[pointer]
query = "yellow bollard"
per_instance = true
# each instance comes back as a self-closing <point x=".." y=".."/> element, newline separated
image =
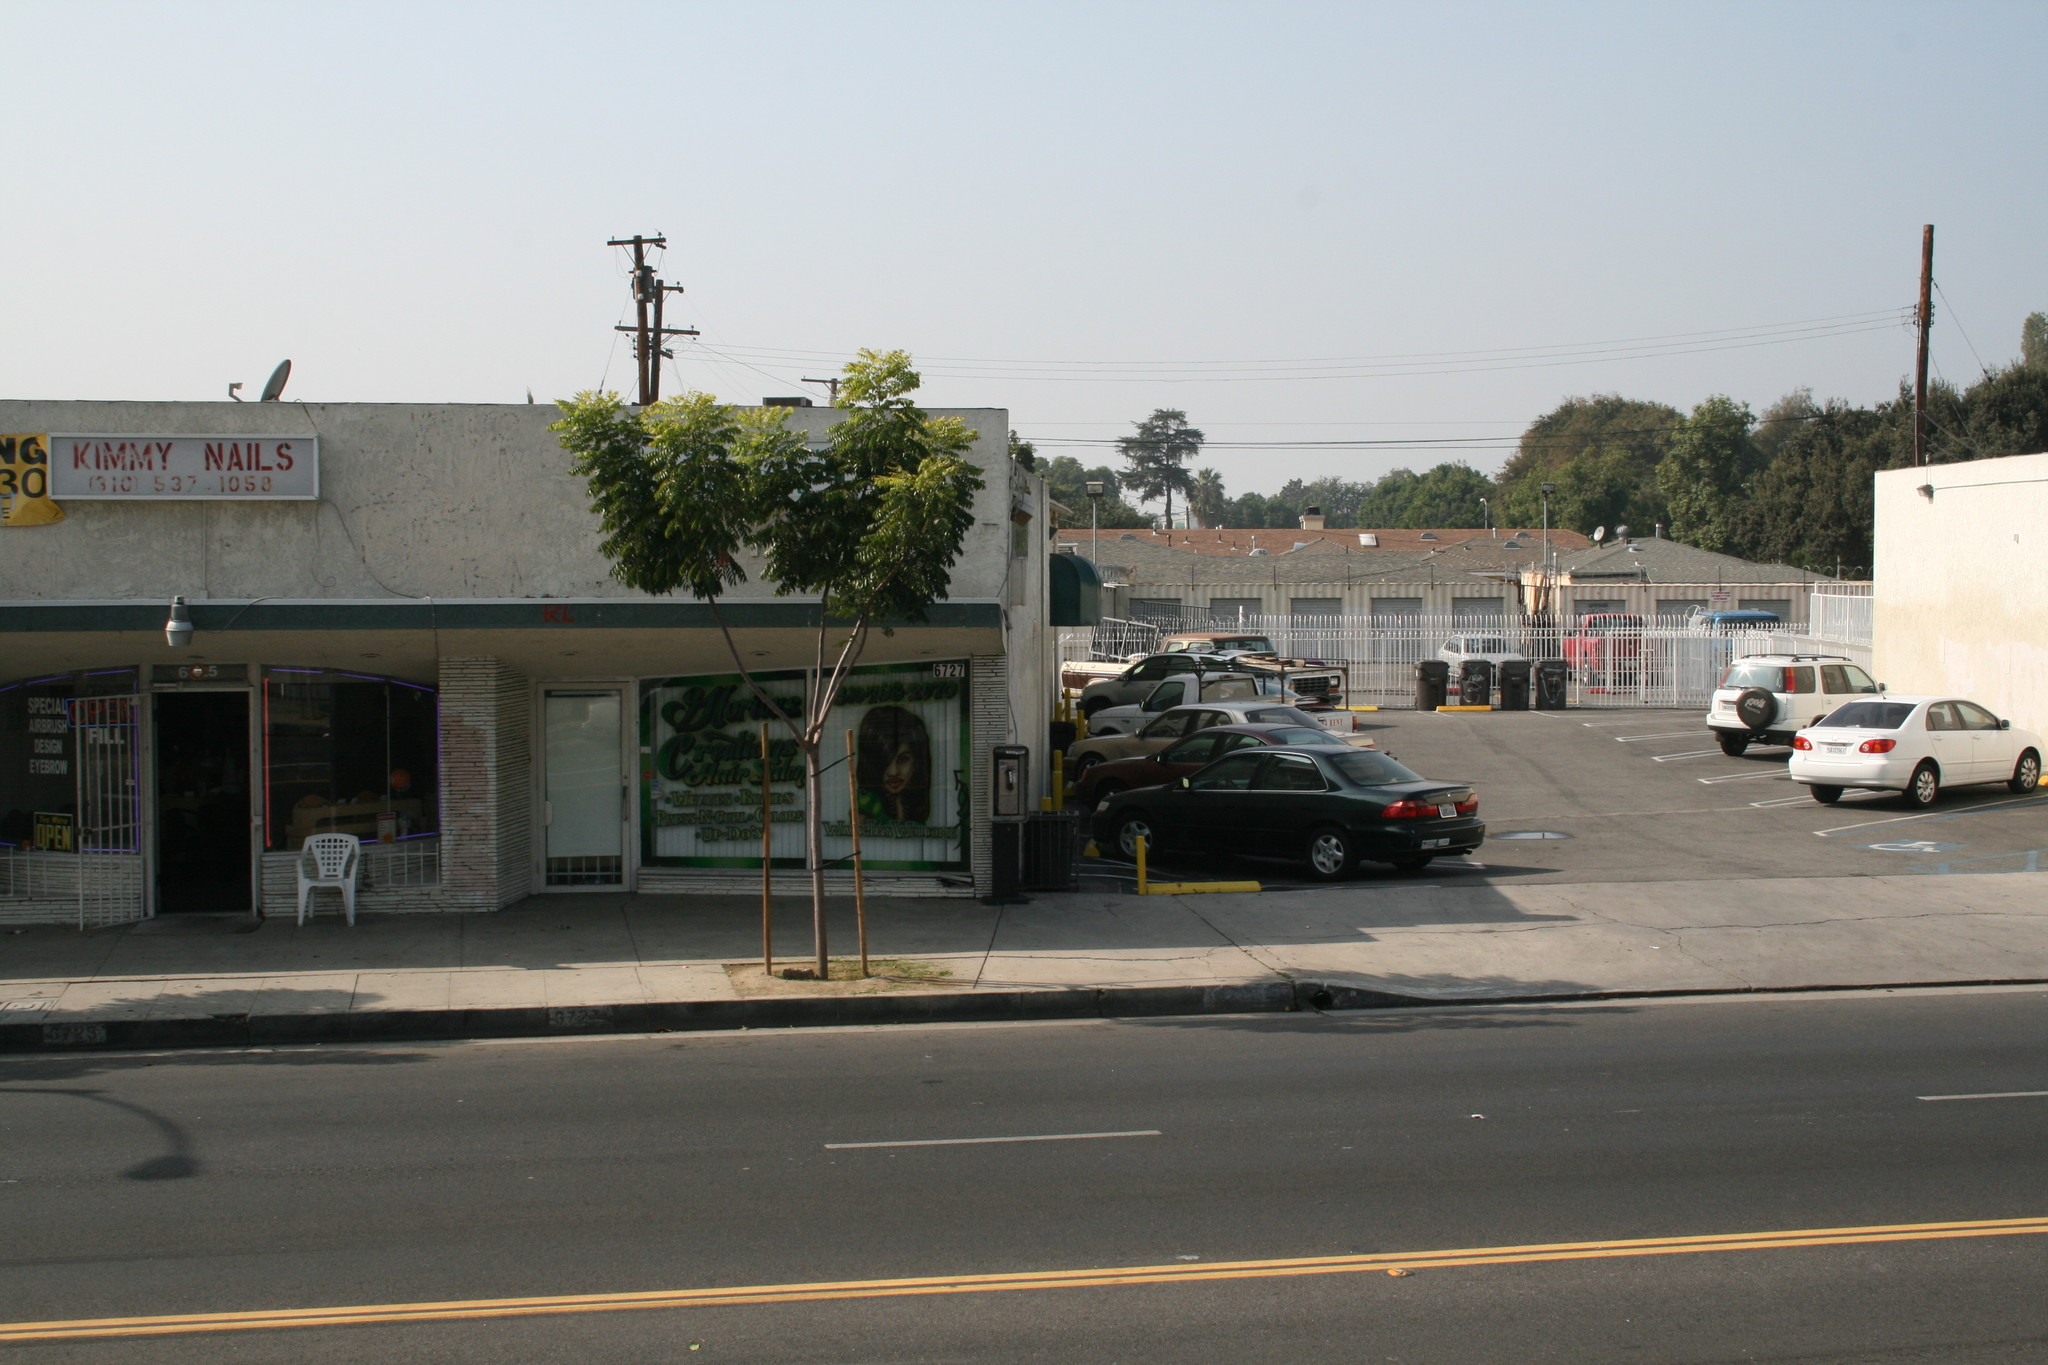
<point x="1059" y="780"/>
<point x="1141" y="864"/>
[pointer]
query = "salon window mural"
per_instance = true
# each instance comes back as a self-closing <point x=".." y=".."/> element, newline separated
<point x="701" y="800"/>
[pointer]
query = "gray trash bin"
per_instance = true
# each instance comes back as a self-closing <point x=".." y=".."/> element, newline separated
<point x="1512" y="681"/>
<point x="1475" y="683"/>
<point x="1432" y="684"/>
<point x="1551" y="678"/>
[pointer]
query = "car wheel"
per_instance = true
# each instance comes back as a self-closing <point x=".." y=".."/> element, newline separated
<point x="1133" y="827"/>
<point x="1415" y="864"/>
<point x="1083" y="764"/>
<point x="1924" y="787"/>
<point x="2026" y="774"/>
<point x="1329" y="854"/>
<point x="1827" y="796"/>
<point x="1735" y="746"/>
<point x="1756" y="708"/>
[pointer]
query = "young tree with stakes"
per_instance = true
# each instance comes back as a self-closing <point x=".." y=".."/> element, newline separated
<point x="871" y="523"/>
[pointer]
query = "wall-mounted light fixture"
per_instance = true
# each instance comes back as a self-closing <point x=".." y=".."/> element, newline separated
<point x="1926" y="490"/>
<point x="178" y="630"/>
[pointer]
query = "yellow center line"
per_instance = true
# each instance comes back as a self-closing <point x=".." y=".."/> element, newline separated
<point x="460" y="1309"/>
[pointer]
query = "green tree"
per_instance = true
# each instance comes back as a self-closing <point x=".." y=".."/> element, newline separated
<point x="1616" y="445"/>
<point x="1069" y="481"/>
<point x="1205" y="498"/>
<point x="1781" y="421"/>
<point x="1158" y="456"/>
<point x="1446" y="496"/>
<point x="1707" y="473"/>
<point x="870" y="523"/>
<point x="1812" y="507"/>
<point x="2034" y="341"/>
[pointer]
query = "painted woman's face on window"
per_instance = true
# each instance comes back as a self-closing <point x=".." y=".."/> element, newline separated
<point x="901" y="770"/>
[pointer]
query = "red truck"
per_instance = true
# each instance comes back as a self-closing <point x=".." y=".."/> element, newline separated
<point x="1606" y="647"/>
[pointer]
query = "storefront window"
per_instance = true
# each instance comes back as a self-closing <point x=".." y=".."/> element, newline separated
<point x="38" y="754"/>
<point x="347" y="753"/>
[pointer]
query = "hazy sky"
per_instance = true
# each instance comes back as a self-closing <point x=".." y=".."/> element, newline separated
<point x="411" y="202"/>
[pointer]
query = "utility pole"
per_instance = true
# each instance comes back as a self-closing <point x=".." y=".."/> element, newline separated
<point x="1926" y="321"/>
<point x="832" y="384"/>
<point x="649" y="336"/>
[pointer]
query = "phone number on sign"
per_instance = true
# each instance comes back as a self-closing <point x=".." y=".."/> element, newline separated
<point x="178" y="483"/>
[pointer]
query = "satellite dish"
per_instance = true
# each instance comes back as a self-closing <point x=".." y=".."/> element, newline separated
<point x="1599" y="532"/>
<point x="273" y="387"/>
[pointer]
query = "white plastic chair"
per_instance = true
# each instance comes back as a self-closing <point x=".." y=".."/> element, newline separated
<point x="333" y="858"/>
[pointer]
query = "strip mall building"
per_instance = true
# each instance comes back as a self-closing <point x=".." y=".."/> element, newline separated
<point x="402" y="629"/>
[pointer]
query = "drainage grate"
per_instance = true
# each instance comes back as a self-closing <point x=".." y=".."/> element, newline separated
<point x="585" y="871"/>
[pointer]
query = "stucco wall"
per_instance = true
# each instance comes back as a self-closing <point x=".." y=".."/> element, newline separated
<point x="416" y="500"/>
<point x="1961" y="597"/>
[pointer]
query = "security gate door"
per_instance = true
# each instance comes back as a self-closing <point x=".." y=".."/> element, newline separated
<point x="583" y="812"/>
<point x="108" y="831"/>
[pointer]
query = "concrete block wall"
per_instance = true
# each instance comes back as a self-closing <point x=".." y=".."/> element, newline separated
<point x="486" y="784"/>
<point x="989" y="726"/>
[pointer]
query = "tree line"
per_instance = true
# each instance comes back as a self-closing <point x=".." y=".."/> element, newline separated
<point x="1789" y="485"/>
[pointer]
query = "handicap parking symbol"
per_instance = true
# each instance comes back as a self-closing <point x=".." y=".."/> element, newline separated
<point x="1913" y="846"/>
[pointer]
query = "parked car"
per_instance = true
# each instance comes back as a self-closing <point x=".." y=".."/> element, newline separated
<point x="1728" y="622"/>
<point x="1169" y="726"/>
<point x="1325" y="806"/>
<point x="1491" y="648"/>
<point x="1140" y="676"/>
<point x="1322" y="684"/>
<point x="1185" y="756"/>
<point x="1217" y="642"/>
<point x="1913" y="745"/>
<point x="1769" y="698"/>
<point x="1606" y="646"/>
<point x="1124" y="720"/>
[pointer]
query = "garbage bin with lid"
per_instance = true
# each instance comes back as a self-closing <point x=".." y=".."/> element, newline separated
<point x="1512" y="680"/>
<point x="1551" y="676"/>
<point x="1432" y="684"/>
<point x="1475" y="682"/>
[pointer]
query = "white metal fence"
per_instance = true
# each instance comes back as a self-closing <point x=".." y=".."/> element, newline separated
<point x="107" y="759"/>
<point x="1841" y="611"/>
<point x="1651" y="666"/>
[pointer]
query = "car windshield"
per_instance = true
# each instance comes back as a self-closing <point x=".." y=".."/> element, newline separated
<point x="1868" y="715"/>
<point x="1748" y="673"/>
<point x="1294" y="734"/>
<point x="1370" y="768"/>
<point x="1249" y="644"/>
<point x="1281" y="715"/>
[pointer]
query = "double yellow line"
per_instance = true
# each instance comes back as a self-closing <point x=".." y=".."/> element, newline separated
<point x="459" y="1309"/>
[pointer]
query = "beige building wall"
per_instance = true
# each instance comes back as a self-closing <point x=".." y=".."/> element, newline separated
<point x="1962" y="599"/>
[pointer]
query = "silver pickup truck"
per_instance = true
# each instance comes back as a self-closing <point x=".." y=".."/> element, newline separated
<point x="1137" y="681"/>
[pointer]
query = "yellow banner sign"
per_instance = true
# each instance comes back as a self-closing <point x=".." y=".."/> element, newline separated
<point x="25" y="481"/>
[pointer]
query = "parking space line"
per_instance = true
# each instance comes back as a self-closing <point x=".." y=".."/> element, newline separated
<point x="1947" y="815"/>
<point x="1798" y="800"/>
<point x="1690" y="753"/>
<point x="984" y="1141"/>
<point x="1669" y="734"/>
<point x="1993" y="1095"/>
<point x="1633" y="720"/>
<point x="1780" y="774"/>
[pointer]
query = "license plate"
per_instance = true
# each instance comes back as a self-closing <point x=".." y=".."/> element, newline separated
<point x="1436" y="843"/>
<point x="1447" y="812"/>
<point x="1835" y="748"/>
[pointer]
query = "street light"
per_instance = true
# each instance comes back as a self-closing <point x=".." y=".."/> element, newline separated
<point x="1094" y="487"/>
<point x="1486" y="515"/>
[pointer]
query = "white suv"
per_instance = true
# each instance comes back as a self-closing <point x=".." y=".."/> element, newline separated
<point x="1767" y="698"/>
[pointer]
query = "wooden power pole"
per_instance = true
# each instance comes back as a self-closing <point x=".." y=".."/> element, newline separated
<point x="649" y="336"/>
<point x="1925" y="319"/>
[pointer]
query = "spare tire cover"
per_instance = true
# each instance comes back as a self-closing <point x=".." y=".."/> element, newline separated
<point x="1756" y="708"/>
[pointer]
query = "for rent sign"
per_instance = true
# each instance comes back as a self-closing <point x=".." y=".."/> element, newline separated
<point x="234" y="468"/>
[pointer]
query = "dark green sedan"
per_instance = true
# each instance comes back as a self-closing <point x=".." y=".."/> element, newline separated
<point x="1329" y="807"/>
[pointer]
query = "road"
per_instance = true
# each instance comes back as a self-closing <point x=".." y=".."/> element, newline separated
<point x="211" y="1182"/>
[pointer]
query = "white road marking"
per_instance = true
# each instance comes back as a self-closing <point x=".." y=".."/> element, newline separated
<point x="1634" y="720"/>
<point x="1668" y="734"/>
<point x="1798" y="800"/>
<point x="1992" y="1095"/>
<point x="1690" y="753"/>
<point x="1744" y="777"/>
<point x="975" y="1142"/>
<point x="1931" y="815"/>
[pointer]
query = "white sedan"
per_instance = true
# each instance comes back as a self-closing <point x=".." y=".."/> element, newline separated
<point x="1914" y="745"/>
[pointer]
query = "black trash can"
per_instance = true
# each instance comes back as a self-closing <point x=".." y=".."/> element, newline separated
<point x="1551" y="676"/>
<point x="1432" y="684"/>
<point x="1052" y="850"/>
<point x="1512" y="678"/>
<point x="1475" y="683"/>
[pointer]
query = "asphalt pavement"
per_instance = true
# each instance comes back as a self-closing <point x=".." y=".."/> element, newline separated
<point x="210" y="1182"/>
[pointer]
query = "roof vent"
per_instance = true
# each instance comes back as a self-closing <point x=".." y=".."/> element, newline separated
<point x="798" y="401"/>
<point x="1427" y="535"/>
<point x="1311" y="518"/>
<point x="1258" y="552"/>
<point x="1368" y="539"/>
<point x="1127" y="536"/>
<point x="1301" y="545"/>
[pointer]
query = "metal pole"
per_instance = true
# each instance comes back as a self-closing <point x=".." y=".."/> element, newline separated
<point x="767" y="864"/>
<point x="1926" y="323"/>
<point x="860" y="894"/>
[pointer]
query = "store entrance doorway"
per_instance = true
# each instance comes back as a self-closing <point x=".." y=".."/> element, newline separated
<point x="203" y="822"/>
<point x="583" y="788"/>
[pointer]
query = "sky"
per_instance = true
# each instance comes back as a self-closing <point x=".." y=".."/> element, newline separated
<point x="1417" y="224"/>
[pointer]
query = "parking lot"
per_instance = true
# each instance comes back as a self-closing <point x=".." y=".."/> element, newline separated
<point x="1584" y="796"/>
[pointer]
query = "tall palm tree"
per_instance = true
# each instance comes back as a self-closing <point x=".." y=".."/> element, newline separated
<point x="1205" y="498"/>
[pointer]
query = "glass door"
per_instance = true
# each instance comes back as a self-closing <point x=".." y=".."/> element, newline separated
<point x="583" y="788"/>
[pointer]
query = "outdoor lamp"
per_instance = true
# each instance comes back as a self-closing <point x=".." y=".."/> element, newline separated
<point x="1094" y="487"/>
<point x="178" y="630"/>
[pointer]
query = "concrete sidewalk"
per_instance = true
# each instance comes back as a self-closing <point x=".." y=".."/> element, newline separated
<point x="598" y="962"/>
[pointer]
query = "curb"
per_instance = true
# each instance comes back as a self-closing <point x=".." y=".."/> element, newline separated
<point x="790" y="1012"/>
